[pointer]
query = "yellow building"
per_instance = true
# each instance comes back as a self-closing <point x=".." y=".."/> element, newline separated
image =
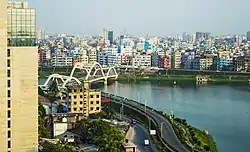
<point x="18" y="78"/>
<point x="176" y="60"/>
<point x="84" y="100"/>
<point x="209" y="61"/>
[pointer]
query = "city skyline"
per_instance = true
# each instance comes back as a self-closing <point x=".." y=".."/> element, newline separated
<point x="159" y="18"/>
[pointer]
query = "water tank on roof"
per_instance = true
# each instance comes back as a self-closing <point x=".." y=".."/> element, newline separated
<point x="64" y="119"/>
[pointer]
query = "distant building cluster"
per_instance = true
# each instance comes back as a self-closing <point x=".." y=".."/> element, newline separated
<point x="199" y="51"/>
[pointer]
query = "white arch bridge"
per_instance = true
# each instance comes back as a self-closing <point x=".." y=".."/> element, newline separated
<point x="94" y="72"/>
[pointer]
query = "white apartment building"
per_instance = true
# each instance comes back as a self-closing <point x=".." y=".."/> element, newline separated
<point x="92" y="55"/>
<point x="202" y="64"/>
<point x="84" y="59"/>
<point x="142" y="61"/>
<point x="61" y="59"/>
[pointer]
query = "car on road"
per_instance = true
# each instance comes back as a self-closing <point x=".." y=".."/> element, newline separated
<point x="146" y="142"/>
<point x="133" y="121"/>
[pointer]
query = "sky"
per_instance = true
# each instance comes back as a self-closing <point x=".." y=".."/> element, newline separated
<point x="141" y="17"/>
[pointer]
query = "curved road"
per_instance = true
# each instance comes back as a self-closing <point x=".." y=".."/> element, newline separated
<point x="168" y="133"/>
<point x="141" y="134"/>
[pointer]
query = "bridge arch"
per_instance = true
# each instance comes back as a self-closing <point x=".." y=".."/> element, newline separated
<point x="53" y="76"/>
<point x="109" y="70"/>
<point x="92" y="67"/>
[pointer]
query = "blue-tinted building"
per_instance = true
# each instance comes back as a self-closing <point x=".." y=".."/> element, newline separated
<point x="186" y="61"/>
<point x="224" y="62"/>
<point x="154" y="59"/>
<point x="196" y="63"/>
<point x="147" y="46"/>
<point x="111" y="37"/>
<point x="107" y="58"/>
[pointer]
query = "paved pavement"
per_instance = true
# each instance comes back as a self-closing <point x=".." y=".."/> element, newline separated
<point x="141" y="134"/>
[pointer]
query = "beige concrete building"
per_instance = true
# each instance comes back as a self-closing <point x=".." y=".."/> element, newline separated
<point x="176" y="59"/>
<point x="18" y="78"/>
<point x="84" y="100"/>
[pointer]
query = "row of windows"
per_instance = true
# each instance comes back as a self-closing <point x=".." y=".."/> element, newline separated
<point x="91" y="96"/>
<point x="91" y="108"/>
<point x="92" y="102"/>
<point x="9" y="101"/>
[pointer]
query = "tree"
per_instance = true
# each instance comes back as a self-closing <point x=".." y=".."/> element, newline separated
<point x="43" y="132"/>
<point x="108" y="139"/>
<point x="109" y="113"/>
<point x="206" y="148"/>
<point x="53" y="91"/>
<point x="56" y="148"/>
<point x="41" y="111"/>
<point x="111" y="141"/>
<point x="40" y="92"/>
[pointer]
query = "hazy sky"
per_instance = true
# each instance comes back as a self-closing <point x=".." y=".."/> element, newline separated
<point x="155" y="17"/>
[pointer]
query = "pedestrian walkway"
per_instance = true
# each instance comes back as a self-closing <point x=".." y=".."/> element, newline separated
<point x="130" y="134"/>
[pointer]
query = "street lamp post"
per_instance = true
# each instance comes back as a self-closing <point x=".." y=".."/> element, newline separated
<point x="121" y="110"/>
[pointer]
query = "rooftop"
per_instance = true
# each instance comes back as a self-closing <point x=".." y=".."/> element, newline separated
<point x="129" y="144"/>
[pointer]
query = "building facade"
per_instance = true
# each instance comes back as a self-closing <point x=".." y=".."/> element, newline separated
<point x="61" y="59"/>
<point x="164" y="62"/>
<point x="176" y="60"/>
<point x="84" y="100"/>
<point x="142" y="61"/>
<point x="18" y="78"/>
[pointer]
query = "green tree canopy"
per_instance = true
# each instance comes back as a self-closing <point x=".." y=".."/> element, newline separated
<point x="56" y="148"/>
<point x="108" y="139"/>
<point x="43" y="132"/>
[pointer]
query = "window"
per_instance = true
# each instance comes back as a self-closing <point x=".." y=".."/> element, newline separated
<point x="80" y="109"/>
<point x="91" y="96"/>
<point x="9" y="114"/>
<point x="8" y="62"/>
<point x="8" y="103"/>
<point x="91" y="108"/>
<point x="97" y="96"/>
<point x="9" y="144"/>
<point x="97" y="102"/>
<point x="74" y="109"/>
<point x="8" y="73"/>
<point x="75" y="97"/>
<point x="8" y="83"/>
<point x="74" y="103"/>
<point x="80" y="96"/>
<point x="81" y="102"/>
<point x="8" y="93"/>
<point x="91" y="102"/>
<point x="9" y="134"/>
<point x="80" y="90"/>
<point x="9" y="125"/>
<point x="97" y="108"/>
<point x="8" y="52"/>
<point x="74" y="90"/>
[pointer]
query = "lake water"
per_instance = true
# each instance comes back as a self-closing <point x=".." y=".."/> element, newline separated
<point x="223" y="110"/>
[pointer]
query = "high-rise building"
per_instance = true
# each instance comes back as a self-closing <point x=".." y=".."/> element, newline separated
<point x="248" y="36"/>
<point x="18" y="78"/>
<point x="111" y="37"/>
<point x="105" y="34"/>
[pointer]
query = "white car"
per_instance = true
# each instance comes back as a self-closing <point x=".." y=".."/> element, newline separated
<point x="146" y="142"/>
